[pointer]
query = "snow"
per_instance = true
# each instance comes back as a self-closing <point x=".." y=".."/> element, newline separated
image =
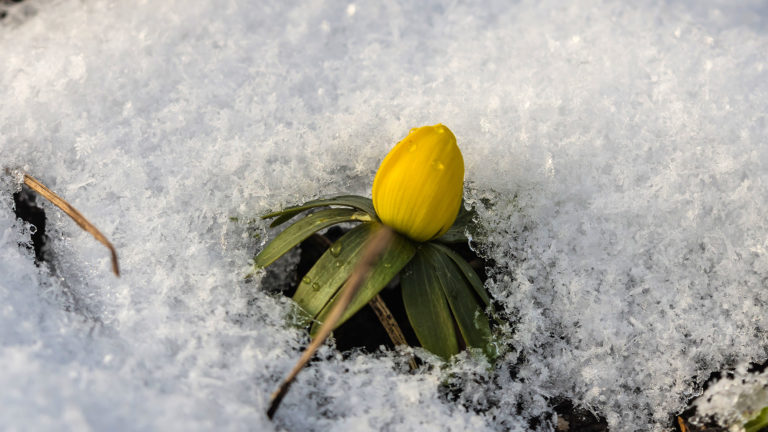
<point x="734" y="400"/>
<point x="622" y="146"/>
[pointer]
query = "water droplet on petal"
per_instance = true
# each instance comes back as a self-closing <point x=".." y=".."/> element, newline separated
<point x="436" y="164"/>
<point x="306" y="280"/>
<point x="387" y="265"/>
<point x="315" y="286"/>
<point x="336" y="249"/>
<point x="338" y="263"/>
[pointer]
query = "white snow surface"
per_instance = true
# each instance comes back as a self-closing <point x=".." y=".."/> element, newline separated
<point x="623" y="147"/>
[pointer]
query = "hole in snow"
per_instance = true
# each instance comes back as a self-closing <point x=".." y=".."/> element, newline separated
<point x="27" y="209"/>
<point x="363" y="330"/>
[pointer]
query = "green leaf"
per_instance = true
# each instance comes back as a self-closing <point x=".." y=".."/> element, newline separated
<point x="427" y="307"/>
<point x="323" y="280"/>
<point x="758" y="423"/>
<point x="302" y="229"/>
<point x="457" y="232"/>
<point x="468" y="272"/>
<point x="354" y="201"/>
<point x="469" y="316"/>
<point x="394" y="258"/>
<point x="283" y="218"/>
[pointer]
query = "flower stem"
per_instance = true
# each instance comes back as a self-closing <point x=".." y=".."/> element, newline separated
<point x="390" y="325"/>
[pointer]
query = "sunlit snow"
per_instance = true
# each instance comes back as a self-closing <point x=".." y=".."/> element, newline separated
<point x="617" y="153"/>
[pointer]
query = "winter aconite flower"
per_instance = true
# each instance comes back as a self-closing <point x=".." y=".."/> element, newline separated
<point x="417" y="192"/>
<point x="418" y="188"/>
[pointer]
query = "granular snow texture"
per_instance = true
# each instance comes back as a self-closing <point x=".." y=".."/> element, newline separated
<point x="617" y="154"/>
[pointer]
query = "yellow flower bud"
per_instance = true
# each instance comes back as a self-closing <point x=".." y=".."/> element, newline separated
<point x="418" y="188"/>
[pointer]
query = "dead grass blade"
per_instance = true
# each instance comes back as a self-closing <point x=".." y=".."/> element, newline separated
<point x="376" y="245"/>
<point x="72" y="212"/>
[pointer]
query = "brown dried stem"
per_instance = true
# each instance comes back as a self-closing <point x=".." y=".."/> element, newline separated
<point x="390" y="325"/>
<point x="382" y="312"/>
<point x="375" y="246"/>
<point x="72" y="212"/>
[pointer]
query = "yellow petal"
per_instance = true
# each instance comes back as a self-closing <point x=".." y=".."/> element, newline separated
<point x="419" y="185"/>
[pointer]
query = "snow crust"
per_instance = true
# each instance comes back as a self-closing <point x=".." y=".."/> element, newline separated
<point x="616" y="152"/>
